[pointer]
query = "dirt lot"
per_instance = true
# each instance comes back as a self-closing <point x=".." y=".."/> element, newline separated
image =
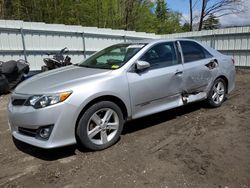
<point x="192" y="146"/>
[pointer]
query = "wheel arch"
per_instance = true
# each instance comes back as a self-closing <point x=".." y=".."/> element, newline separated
<point x="110" y="98"/>
<point x="225" y="79"/>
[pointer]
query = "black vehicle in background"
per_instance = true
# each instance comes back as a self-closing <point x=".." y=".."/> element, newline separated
<point x="58" y="60"/>
<point x="12" y="73"/>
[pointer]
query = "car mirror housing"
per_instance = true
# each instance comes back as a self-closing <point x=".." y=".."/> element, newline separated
<point x="141" y="65"/>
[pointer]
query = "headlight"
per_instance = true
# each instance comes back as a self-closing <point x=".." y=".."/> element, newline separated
<point x="41" y="101"/>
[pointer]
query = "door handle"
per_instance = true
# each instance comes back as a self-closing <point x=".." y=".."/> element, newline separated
<point x="178" y="72"/>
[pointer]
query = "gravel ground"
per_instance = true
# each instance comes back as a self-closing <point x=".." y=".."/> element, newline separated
<point x="192" y="146"/>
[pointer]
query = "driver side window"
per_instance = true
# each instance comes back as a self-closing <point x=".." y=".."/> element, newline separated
<point x="161" y="55"/>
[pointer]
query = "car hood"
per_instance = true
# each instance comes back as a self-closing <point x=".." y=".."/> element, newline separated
<point x="59" y="79"/>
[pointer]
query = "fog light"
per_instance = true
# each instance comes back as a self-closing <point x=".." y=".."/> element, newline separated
<point x="45" y="132"/>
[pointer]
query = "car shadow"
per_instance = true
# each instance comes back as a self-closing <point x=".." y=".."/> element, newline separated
<point x="129" y="127"/>
<point x="45" y="154"/>
<point x="151" y="120"/>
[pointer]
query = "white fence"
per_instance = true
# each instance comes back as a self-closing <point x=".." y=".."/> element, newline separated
<point x="32" y="40"/>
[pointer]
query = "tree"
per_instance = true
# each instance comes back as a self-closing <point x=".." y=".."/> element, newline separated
<point x="6" y="8"/>
<point x="130" y="14"/>
<point x="211" y="22"/>
<point x="219" y="8"/>
<point x="161" y="10"/>
<point x="167" y="21"/>
<point x="146" y="20"/>
<point x="161" y="15"/>
<point x="138" y="15"/>
<point x="186" y="27"/>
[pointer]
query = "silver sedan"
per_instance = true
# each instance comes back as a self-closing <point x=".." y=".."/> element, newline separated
<point x="89" y="102"/>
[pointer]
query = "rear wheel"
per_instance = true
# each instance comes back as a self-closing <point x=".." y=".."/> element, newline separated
<point x="217" y="93"/>
<point x="100" y="126"/>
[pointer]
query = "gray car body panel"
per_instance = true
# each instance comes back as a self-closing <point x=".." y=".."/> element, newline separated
<point x="144" y="93"/>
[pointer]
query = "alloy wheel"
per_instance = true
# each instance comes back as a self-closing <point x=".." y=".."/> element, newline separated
<point x="103" y="126"/>
<point x="218" y="92"/>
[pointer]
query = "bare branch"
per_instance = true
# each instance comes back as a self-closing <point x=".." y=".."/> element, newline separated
<point x="220" y="8"/>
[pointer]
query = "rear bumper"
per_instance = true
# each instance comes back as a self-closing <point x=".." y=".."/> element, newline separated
<point x="231" y="80"/>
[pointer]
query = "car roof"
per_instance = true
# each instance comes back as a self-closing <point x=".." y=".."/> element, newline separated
<point x="152" y="41"/>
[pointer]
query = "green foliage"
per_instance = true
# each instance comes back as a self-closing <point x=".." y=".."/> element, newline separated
<point x="212" y="22"/>
<point x="161" y="10"/>
<point x="186" y="27"/>
<point x="138" y="15"/>
<point x="167" y="20"/>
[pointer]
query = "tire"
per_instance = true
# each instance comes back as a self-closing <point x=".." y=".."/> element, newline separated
<point x="217" y="93"/>
<point x="93" y="132"/>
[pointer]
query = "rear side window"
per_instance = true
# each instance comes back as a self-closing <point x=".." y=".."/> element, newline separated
<point x="161" y="55"/>
<point x="192" y="51"/>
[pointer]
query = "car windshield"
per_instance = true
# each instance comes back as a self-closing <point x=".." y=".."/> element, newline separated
<point x="113" y="57"/>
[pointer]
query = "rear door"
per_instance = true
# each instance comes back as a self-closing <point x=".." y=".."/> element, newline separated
<point x="159" y="87"/>
<point x="199" y="67"/>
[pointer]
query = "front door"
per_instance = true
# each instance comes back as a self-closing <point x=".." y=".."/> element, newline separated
<point x="159" y="87"/>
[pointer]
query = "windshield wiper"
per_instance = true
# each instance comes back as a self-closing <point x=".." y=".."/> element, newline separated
<point x="87" y="66"/>
<point x="94" y="67"/>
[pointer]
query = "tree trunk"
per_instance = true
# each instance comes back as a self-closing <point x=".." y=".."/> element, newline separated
<point x="1" y="9"/>
<point x="191" y="15"/>
<point x="98" y="13"/>
<point x="204" y="5"/>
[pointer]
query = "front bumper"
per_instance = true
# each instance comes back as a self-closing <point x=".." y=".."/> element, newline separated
<point x="62" y="116"/>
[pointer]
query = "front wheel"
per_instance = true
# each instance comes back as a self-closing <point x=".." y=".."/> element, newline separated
<point x="217" y="93"/>
<point x="100" y="126"/>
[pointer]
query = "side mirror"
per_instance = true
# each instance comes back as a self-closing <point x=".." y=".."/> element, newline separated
<point x="141" y="65"/>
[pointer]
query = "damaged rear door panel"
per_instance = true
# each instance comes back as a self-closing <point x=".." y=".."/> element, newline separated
<point x="200" y="68"/>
